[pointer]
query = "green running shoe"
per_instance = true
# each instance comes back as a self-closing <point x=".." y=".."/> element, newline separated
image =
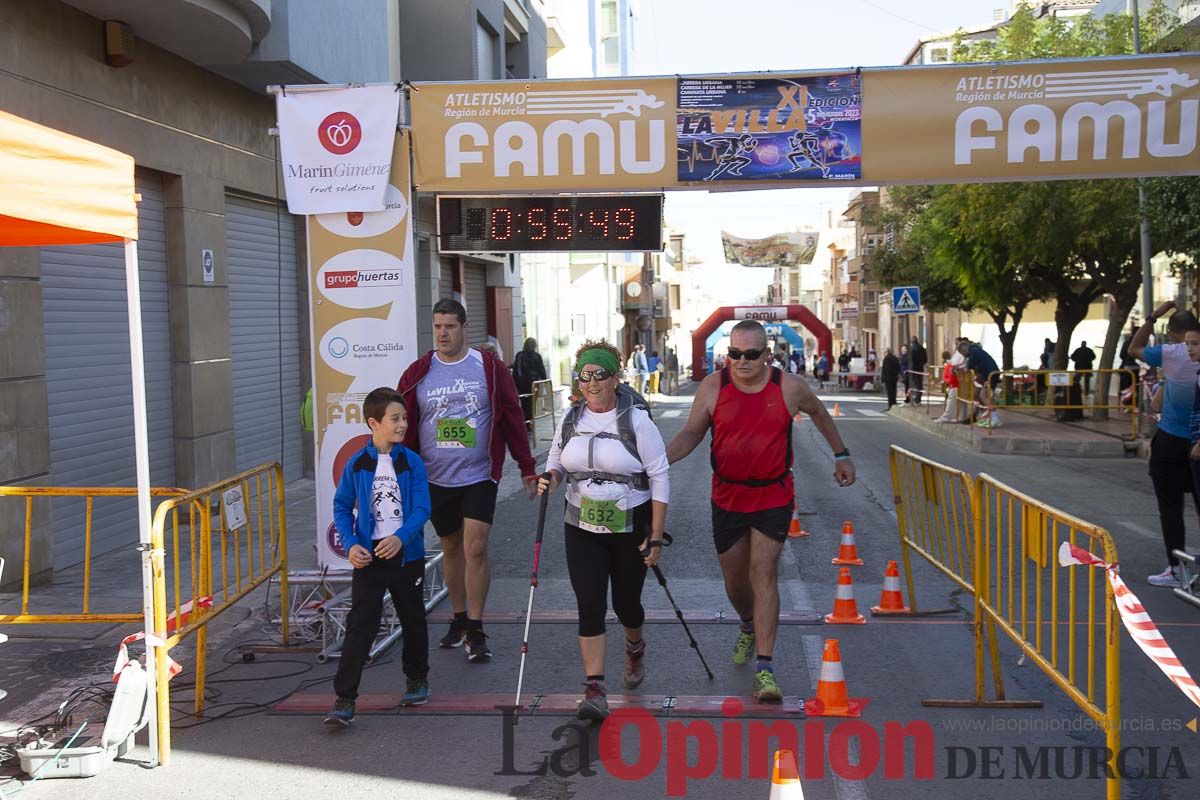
<point x="766" y="690"/>
<point x="743" y="648"/>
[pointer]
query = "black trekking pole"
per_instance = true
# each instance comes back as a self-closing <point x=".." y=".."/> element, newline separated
<point x="662" y="581"/>
<point x="533" y="582"/>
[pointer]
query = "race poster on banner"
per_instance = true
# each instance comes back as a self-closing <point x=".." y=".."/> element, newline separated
<point x="1101" y="117"/>
<point x="614" y="134"/>
<point x="336" y="147"/>
<point x="362" y="302"/>
<point x="802" y="128"/>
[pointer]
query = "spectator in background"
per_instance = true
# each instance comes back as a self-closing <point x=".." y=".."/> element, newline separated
<point x="917" y="359"/>
<point x="889" y="373"/>
<point x="1170" y="465"/>
<point x="798" y="362"/>
<point x="905" y="365"/>
<point x="528" y="367"/>
<point x="987" y="378"/>
<point x="950" y="379"/>
<point x="1044" y="364"/>
<point x="1084" y="357"/>
<point x="655" y="365"/>
<point x="872" y="360"/>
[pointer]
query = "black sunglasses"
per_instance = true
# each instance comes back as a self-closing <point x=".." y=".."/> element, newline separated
<point x="588" y="375"/>
<point x="748" y="355"/>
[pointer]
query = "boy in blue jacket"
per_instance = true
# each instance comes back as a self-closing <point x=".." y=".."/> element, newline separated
<point x="385" y="543"/>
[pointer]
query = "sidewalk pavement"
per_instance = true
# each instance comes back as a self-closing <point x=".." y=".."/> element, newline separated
<point x="1029" y="432"/>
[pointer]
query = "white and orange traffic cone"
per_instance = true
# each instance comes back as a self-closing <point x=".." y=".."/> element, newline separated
<point x="795" y="529"/>
<point x="892" y="599"/>
<point x="831" y="699"/>
<point x="837" y="410"/>
<point x="845" y="609"/>
<point x="848" y="553"/>
<point x="785" y="777"/>
<point x="799" y="417"/>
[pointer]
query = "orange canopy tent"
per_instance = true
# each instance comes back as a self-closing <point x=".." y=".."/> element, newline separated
<point x="59" y="189"/>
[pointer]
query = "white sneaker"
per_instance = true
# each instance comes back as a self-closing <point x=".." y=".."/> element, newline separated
<point x="1169" y="577"/>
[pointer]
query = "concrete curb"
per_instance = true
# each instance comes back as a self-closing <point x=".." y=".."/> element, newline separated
<point x="973" y="438"/>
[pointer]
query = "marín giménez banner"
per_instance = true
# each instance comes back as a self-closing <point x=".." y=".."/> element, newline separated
<point x="778" y="250"/>
<point x="336" y="147"/>
<point x="800" y="128"/>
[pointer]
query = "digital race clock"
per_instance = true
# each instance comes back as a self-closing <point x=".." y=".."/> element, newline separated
<point x="589" y="223"/>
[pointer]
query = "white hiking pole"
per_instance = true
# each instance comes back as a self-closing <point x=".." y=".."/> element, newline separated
<point x="533" y="582"/>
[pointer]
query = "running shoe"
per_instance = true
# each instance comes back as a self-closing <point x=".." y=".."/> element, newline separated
<point x="476" y="646"/>
<point x="766" y="690"/>
<point x="342" y="714"/>
<point x="1169" y="577"/>
<point x="595" y="702"/>
<point x="743" y="648"/>
<point x="635" y="668"/>
<point x="416" y="693"/>
<point x="456" y="635"/>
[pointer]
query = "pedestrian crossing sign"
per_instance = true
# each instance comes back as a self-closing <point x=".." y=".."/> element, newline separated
<point x="906" y="300"/>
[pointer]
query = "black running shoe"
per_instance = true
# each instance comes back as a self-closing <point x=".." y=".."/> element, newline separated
<point x="456" y="635"/>
<point x="477" y="649"/>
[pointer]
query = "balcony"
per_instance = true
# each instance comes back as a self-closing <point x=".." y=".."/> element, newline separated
<point x="205" y="32"/>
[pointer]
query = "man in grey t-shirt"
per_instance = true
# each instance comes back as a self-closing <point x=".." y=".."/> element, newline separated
<point x="463" y="413"/>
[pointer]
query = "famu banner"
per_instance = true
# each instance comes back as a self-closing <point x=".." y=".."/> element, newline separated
<point x="1101" y="117"/>
<point x="336" y="147"/>
<point x="603" y="134"/>
<point x="362" y="307"/>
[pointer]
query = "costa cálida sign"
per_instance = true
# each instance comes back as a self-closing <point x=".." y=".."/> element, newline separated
<point x="946" y="123"/>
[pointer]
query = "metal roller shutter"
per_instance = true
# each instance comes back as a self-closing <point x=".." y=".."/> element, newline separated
<point x="265" y="330"/>
<point x="475" y="299"/>
<point x="86" y="324"/>
<point x="445" y="278"/>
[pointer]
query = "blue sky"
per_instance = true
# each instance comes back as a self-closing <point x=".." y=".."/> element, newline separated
<point x="699" y="36"/>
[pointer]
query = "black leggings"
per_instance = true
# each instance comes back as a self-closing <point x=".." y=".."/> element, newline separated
<point x="595" y="559"/>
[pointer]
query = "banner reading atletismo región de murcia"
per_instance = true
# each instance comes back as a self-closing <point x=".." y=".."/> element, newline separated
<point x="362" y="303"/>
<point x="336" y="147"/>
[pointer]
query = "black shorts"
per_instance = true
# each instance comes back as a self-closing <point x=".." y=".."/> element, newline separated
<point x="730" y="526"/>
<point x="449" y="505"/>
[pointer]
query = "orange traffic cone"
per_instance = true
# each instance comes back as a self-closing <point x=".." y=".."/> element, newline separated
<point x="837" y="410"/>
<point x="831" y="699"/>
<point x="794" y="529"/>
<point x="892" y="599"/>
<point x="785" y="777"/>
<point x="799" y="417"/>
<point x="845" y="610"/>
<point x="848" y="553"/>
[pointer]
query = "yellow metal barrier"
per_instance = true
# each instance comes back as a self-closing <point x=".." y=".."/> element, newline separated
<point x="1038" y="604"/>
<point x="541" y="401"/>
<point x="88" y="496"/>
<point x="234" y="534"/>
<point x="1034" y="390"/>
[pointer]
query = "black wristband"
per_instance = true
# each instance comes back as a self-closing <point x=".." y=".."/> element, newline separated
<point x="843" y="453"/>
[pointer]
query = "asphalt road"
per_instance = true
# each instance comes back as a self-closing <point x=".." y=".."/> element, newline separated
<point x="893" y="663"/>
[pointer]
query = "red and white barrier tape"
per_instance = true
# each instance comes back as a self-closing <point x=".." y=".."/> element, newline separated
<point x="173" y="623"/>
<point x="1136" y="620"/>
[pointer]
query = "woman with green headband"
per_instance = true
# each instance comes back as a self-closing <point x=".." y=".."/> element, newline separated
<point x="613" y="460"/>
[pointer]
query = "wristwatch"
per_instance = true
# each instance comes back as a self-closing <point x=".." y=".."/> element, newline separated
<point x="842" y="455"/>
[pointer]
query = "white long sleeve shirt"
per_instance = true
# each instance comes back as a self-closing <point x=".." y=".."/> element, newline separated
<point x="585" y="453"/>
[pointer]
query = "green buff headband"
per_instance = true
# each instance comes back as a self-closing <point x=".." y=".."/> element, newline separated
<point x="600" y="357"/>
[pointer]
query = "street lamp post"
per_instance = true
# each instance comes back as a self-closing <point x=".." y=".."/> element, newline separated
<point x="1147" y="276"/>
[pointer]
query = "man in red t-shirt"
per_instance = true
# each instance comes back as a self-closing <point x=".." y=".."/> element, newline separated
<point x="749" y="406"/>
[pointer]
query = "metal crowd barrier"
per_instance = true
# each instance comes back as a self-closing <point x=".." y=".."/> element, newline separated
<point x="1037" y="603"/>
<point x="1001" y="545"/>
<point x="234" y="533"/>
<point x="1038" y="389"/>
<point x="542" y="399"/>
<point x="88" y="495"/>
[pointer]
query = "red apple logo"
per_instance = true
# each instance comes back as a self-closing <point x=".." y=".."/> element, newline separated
<point x="355" y="218"/>
<point x="339" y="133"/>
